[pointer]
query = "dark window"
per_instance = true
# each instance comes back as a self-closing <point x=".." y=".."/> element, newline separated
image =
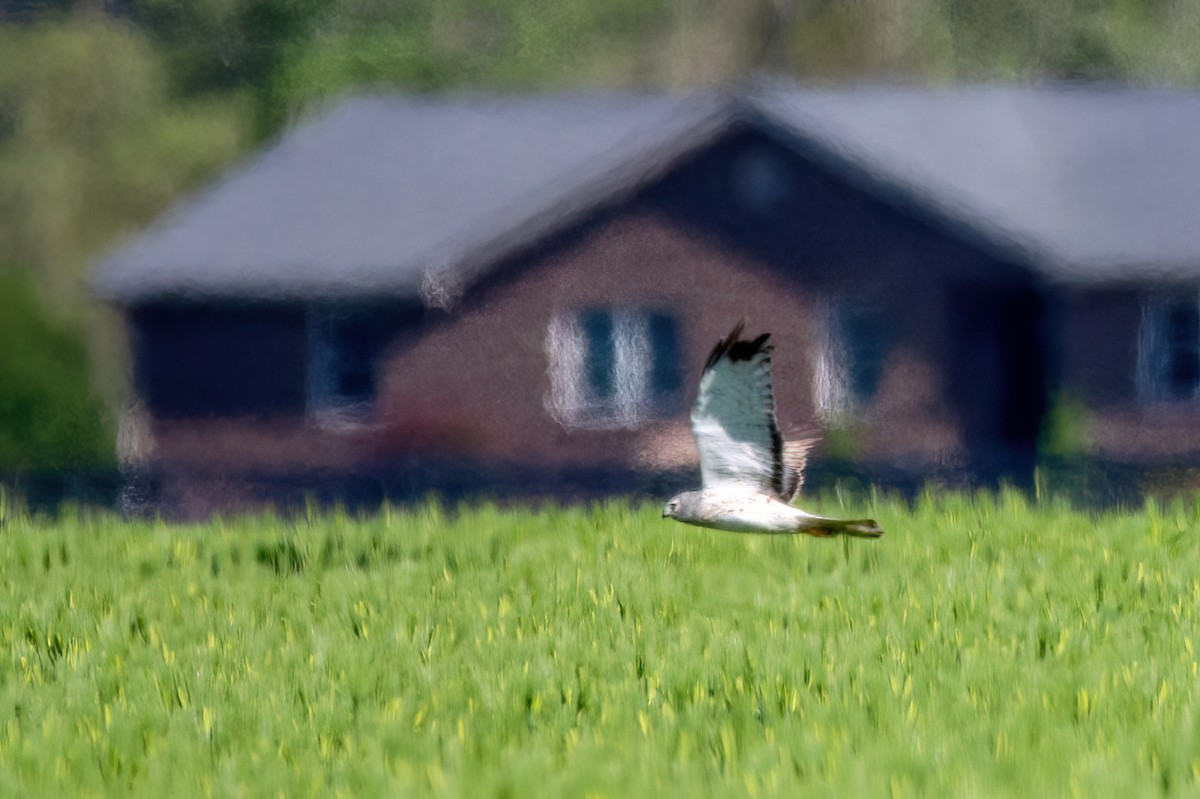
<point x="863" y="338"/>
<point x="344" y="349"/>
<point x="196" y="361"/>
<point x="601" y="354"/>
<point x="1169" y="347"/>
<point x="666" y="376"/>
<point x="1183" y="349"/>
<point x="853" y="349"/>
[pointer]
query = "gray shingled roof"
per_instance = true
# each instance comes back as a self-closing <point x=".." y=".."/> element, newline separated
<point x="392" y="194"/>
<point x="382" y="191"/>
<point x="1094" y="184"/>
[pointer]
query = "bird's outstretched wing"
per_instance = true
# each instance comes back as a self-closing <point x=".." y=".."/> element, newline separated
<point x="733" y="419"/>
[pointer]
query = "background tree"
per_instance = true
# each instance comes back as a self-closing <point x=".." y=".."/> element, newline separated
<point x="91" y="147"/>
<point x="51" y="418"/>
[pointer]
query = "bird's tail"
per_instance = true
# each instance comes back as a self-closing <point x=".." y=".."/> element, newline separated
<point x="855" y="528"/>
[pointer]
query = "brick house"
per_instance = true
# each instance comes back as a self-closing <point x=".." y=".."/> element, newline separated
<point x="521" y="290"/>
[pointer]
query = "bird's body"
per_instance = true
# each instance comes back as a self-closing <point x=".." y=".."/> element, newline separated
<point x="741" y="511"/>
<point x="749" y="473"/>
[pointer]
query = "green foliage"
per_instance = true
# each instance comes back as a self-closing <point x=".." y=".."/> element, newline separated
<point x="1138" y="41"/>
<point x="984" y="647"/>
<point x="50" y="416"/>
<point x="90" y="145"/>
<point x="285" y="54"/>
<point x="222" y="46"/>
<point x="434" y="45"/>
<point x="536" y="44"/>
<point x="1064" y="431"/>
<point x="214" y="45"/>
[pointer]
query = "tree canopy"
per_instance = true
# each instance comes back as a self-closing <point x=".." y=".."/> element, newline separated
<point x="50" y="415"/>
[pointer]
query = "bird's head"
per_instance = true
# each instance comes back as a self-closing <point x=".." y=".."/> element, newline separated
<point x="682" y="506"/>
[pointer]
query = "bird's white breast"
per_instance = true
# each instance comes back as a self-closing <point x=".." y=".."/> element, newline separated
<point x="749" y="512"/>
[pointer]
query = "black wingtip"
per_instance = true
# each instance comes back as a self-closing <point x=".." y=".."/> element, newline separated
<point x="737" y="350"/>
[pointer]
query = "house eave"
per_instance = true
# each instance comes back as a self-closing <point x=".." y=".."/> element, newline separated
<point x="1128" y="275"/>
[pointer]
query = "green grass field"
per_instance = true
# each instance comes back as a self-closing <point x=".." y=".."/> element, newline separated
<point x="983" y="647"/>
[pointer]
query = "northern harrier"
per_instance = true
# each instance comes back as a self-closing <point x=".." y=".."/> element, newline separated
<point x="749" y="473"/>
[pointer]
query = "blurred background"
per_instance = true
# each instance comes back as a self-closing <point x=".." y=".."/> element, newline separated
<point x="110" y="111"/>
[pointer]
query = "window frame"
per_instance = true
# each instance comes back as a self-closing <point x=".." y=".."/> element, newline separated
<point x="844" y="347"/>
<point x="640" y="393"/>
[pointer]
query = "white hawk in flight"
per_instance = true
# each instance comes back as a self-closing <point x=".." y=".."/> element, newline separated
<point x="749" y="473"/>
